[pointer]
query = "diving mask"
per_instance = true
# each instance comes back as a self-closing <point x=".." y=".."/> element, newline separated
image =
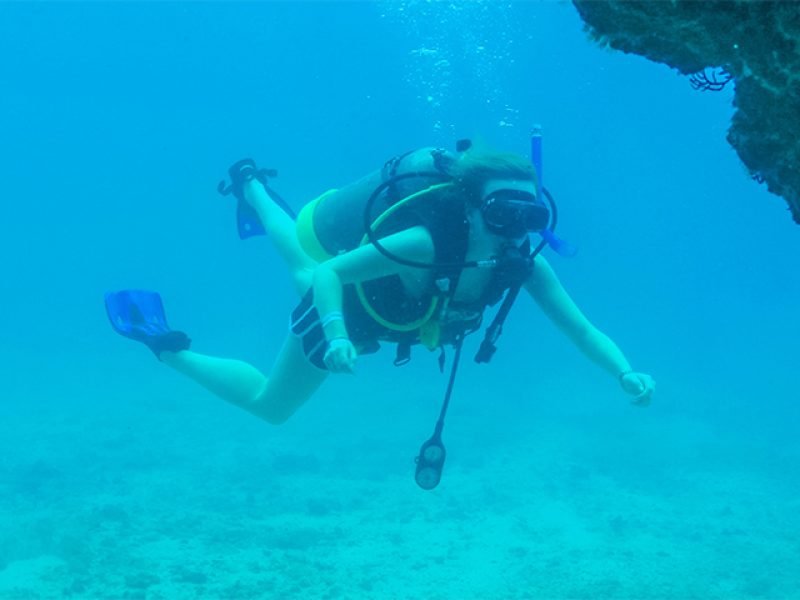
<point x="513" y="213"/>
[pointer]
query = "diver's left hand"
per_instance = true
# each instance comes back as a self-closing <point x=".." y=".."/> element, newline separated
<point x="340" y="356"/>
<point x="640" y="385"/>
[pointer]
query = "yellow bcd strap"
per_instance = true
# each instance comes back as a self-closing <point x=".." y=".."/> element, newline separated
<point x="429" y="329"/>
<point x="432" y="332"/>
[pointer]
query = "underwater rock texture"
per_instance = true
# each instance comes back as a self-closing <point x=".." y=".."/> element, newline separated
<point x="758" y="43"/>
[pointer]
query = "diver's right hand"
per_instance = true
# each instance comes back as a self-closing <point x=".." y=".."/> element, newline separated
<point x="639" y="385"/>
<point x="340" y="357"/>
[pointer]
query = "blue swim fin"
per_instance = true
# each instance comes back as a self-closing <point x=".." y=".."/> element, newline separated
<point x="248" y="222"/>
<point x="139" y="315"/>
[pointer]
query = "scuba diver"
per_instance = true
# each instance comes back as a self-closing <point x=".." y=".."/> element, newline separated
<point x="411" y="254"/>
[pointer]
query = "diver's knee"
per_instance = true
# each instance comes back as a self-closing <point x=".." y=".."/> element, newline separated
<point x="273" y="415"/>
<point x="302" y="280"/>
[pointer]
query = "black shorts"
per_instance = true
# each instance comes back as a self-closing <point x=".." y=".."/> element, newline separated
<point x="306" y="325"/>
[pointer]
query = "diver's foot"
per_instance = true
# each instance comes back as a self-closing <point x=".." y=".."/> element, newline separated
<point x="243" y="172"/>
<point x="171" y="341"/>
<point x="139" y="315"/>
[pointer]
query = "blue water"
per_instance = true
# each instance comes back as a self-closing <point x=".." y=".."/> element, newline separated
<point x="120" y="479"/>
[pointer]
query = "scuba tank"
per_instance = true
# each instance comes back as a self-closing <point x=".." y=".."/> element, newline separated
<point x="333" y="223"/>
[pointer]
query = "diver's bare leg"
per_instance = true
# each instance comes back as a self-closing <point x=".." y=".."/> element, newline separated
<point x="293" y="380"/>
<point x="281" y="230"/>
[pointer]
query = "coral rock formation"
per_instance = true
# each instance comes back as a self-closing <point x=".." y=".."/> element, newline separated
<point x="757" y="43"/>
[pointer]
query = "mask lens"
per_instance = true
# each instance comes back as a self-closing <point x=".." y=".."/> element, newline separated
<point x="512" y="213"/>
<point x="536" y="217"/>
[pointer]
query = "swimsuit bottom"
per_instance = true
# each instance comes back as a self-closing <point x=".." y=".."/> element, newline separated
<point x="306" y="325"/>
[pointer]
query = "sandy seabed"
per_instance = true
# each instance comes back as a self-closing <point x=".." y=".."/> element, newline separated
<point x="173" y="506"/>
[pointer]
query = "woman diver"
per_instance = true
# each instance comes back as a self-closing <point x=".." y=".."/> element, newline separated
<point x="411" y="254"/>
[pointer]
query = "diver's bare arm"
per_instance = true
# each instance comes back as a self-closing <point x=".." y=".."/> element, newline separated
<point x="545" y="288"/>
<point x="362" y="264"/>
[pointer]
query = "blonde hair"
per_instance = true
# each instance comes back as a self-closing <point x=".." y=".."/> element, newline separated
<point x="479" y="165"/>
